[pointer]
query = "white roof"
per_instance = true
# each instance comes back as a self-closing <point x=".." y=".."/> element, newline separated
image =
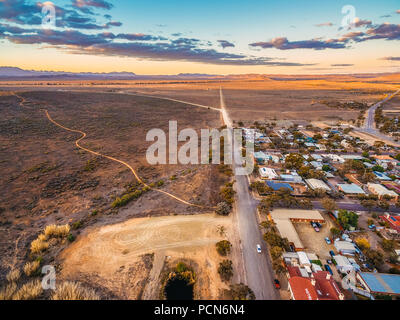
<point x="317" y="184"/>
<point x="381" y="190"/>
<point x="344" y="245"/>
<point x="303" y="259"/>
<point x="342" y="261"/>
<point x="268" y="173"/>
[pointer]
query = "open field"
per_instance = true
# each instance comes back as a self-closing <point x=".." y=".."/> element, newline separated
<point x="46" y="179"/>
<point x="102" y="254"/>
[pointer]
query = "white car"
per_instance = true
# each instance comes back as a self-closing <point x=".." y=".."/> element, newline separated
<point x="258" y="248"/>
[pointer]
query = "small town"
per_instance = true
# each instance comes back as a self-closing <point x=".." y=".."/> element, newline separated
<point x="329" y="211"/>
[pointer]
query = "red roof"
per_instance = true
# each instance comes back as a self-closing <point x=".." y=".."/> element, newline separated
<point x="293" y="271"/>
<point x="321" y="286"/>
<point x="327" y="289"/>
<point x="302" y="289"/>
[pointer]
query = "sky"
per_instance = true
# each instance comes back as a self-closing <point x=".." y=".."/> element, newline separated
<point x="213" y="37"/>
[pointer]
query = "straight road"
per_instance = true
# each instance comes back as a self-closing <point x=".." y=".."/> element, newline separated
<point x="369" y="124"/>
<point x="258" y="267"/>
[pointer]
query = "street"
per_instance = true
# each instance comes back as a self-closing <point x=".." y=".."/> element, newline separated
<point x="258" y="267"/>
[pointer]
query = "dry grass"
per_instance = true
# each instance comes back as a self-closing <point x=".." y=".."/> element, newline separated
<point x="31" y="268"/>
<point x="54" y="231"/>
<point x="8" y="291"/>
<point x="73" y="291"/>
<point x="13" y="275"/>
<point x="38" y="246"/>
<point x="50" y="232"/>
<point x="29" y="291"/>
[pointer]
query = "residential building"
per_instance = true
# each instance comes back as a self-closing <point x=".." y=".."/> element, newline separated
<point x="381" y="191"/>
<point x="351" y="189"/>
<point x="380" y="283"/>
<point x="317" y="184"/>
<point x="393" y="221"/>
<point x="268" y="173"/>
<point x="345" y="247"/>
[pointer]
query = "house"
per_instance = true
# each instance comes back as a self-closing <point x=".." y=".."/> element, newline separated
<point x="343" y="265"/>
<point x="381" y="191"/>
<point x="319" y="286"/>
<point x="393" y="221"/>
<point x="350" y="189"/>
<point x="381" y="176"/>
<point x="316" y="164"/>
<point x="380" y="283"/>
<point x="284" y="219"/>
<point x="268" y="173"/>
<point x="384" y="160"/>
<point x="345" y="247"/>
<point x="352" y="157"/>
<point x="279" y="185"/>
<point x="291" y="177"/>
<point x="333" y="157"/>
<point x="317" y="184"/>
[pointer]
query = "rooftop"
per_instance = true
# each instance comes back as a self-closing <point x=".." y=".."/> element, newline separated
<point x="382" y="282"/>
<point x="351" y="188"/>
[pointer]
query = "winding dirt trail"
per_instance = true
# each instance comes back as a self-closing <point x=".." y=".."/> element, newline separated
<point x="83" y="136"/>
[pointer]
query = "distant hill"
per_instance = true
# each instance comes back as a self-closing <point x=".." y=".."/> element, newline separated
<point x="14" y="72"/>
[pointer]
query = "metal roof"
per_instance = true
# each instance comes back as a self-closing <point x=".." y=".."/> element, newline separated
<point x="382" y="282"/>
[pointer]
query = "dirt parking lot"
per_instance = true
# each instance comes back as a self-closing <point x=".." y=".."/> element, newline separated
<point x="315" y="241"/>
<point x="102" y="252"/>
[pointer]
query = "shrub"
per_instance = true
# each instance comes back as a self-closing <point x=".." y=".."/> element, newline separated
<point x="239" y="292"/>
<point x="38" y="246"/>
<point x="29" y="291"/>
<point x="31" y="268"/>
<point x="225" y="270"/>
<point x="13" y="275"/>
<point x="71" y="238"/>
<point x="54" y="231"/>
<point x="8" y="291"/>
<point x="223" y="209"/>
<point x="73" y="291"/>
<point x="224" y="247"/>
<point x="363" y="243"/>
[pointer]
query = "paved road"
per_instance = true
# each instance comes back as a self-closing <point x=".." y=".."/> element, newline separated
<point x="369" y="124"/>
<point x="258" y="267"/>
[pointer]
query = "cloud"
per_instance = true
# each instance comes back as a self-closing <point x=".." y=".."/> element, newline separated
<point x="385" y="31"/>
<point x="25" y="13"/>
<point x="324" y="24"/>
<point x="225" y="44"/>
<point x="139" y="46"/>
<point x="359" y="22"/>
<point x="282" y="43"/>
<point x="391" y="58"/>
<point x="342" y="65"/>
<point x="102" y="4"/>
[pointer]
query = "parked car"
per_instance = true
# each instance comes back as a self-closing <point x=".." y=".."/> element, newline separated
<point x="328" y="268"/>
<point x="329" y="261"/>
<point x="332" y="253"/>
<point x="372" y="227"/>
<point x="328" y="241"/>
<point x="312" y="224"/>
<point x="258" y="248"/>
<point x="318" y="225"/>
<point x="277" y="284"/>
<point x="316" y="229"/>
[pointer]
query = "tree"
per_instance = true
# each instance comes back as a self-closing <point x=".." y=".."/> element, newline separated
<point x="224" y="247"/>
<point x="223" y="209"/>
<point x="374" y="257"/>
<point x="348" y="219"/>
<point x="363" y="243"/>
<point x="294" y="161"/>
<point x="335" y="232"/>
<point x="278" y="266"/>
<point x="329" y="204"/>
<point x="239" y="292"/>
<point x="368" y="204"/>
<point x="225" y="270"/>
<point x="388" y="245"/>
<point x="276" y="252"/>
